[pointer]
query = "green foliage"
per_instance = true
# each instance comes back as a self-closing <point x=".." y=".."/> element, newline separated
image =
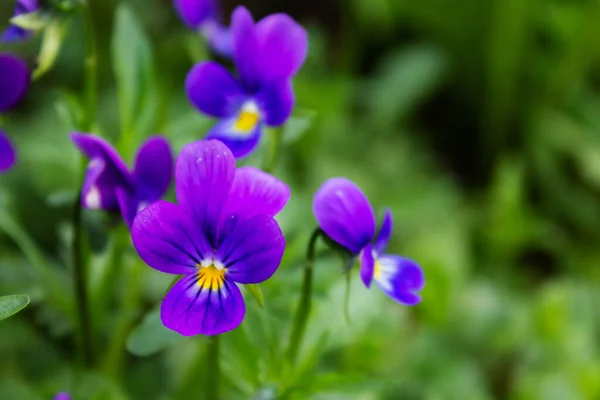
<point x="10" y="305"/>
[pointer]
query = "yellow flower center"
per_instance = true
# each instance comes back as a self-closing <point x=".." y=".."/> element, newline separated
<point x="211" y="276"/>
<point x="377" y="269"/>
<point x="246" y="120"/>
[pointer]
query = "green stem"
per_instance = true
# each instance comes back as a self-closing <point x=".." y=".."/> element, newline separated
<point x="303" y="310"/>
<point x="212" y="368"/>
<point x="90" y="69"/>
<point x="274" y="143"/>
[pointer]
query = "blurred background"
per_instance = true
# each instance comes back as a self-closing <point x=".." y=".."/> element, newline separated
<point x="476" y="122"/>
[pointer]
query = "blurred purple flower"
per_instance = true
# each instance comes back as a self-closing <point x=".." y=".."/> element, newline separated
<point x="62" y="396"/>
<point x="110" y="186"/>
<point x="15" y="33"/>
<point x="346" y="216"/>
<point x="14" y="81"/>
<point x="221" y="233"/>
<point x="203" y="16"/>
<point x="267" y="55"/>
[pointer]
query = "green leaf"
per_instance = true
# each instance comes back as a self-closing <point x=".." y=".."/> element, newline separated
<point x="297" y="125"/>
<point x="151" y="336"/>
<point x="10" y="305"/>
<point x="33" y="21"/>
<point x="255" y="291"/>
<point x="53" y="36"/>
<point x="134" y="72"/>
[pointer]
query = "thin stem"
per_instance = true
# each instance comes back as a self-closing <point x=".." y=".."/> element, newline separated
<point x="90" y="69"/>
<point x="212" y="368"/>
<point x="274" y="143"/>
<point x="303" y="310"/>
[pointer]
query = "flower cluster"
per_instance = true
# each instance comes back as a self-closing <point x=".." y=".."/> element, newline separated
<point x="267" y="54"/>
<point x="110" y="186"/>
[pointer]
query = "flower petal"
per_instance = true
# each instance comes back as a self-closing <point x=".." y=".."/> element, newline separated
<point x="194" y="12"/>
<point x="153" y="169"/>
<point x="219" y="37"/>
<point x="106" y="172"/>
<point x="283" y="46"/>
<point x="246" y="51"/>
<point x="276" y="101"/>
<point x="14" y="33"/>
<point x="252" y="252"/>
<point x="384" y="233"/>
<point x="344" y="214"/>
<point x="256" y="192"/>
<point x="367" y="265"/>
<point x="8" y="155"/>
<point x="190" y="309"/>
<point x="166" y="239"/>
<point x="241" y="143"/>
<point x="213" y="90"/>
<point x="128" y="205"/>
<point x="400" y="278"/>
<point x="14" y="81"/>
<point x="204" y="174"/>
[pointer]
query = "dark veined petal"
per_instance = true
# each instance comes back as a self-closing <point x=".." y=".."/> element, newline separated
<point x="194" y="13"/>
<point x="191" y="309"/>
<point x="8" y="155"/>
<point x="14" y="81"/>
<point x="252" y="252"/>
<point x="204" y="174"/>
<point x="283" y="47"/>
<point x="219" y="37"/>
<point x="400" y="278"/>
<point x="166" y="239"/>
<point x="213" y="90"/>
<point x="153" y="169"/>
<point x="240" y="142"/>
<point x="276" y="101"/>
<point x="384" y="233"/>
<point x="255" y="192"/>
<point x="246" y="50"/>
<point x="106" y="172"/>
<point x="344" y="214"/>
<point x="367" y="265"/>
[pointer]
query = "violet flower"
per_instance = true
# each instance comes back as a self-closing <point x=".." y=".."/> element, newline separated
<point x="203" y="16"/>
<point x="267" y="55"/>
<point x="15" y="33"/>
<point x="220" y="234"/>
<point x="62" y="396"/>
<point x="14" y="81"/>
<point x="110" y="186"/>
<point x="346" y="216"/>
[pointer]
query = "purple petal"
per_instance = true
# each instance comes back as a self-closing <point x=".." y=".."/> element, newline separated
<point x="283" y="46"/>
<point x="384" y="233"/>
<point x="194" y="12"/>
<point x="400" y="278"/>
<point x="191" y="309"/>
<point x="246" y="50"/>
<point x="219" y="37"/>
<point x="166" y="239"/>
<point x="106" y="172"/>
<point x="276" y="101"/>
<point x="240" y="142"/>
<point x="14" y="81"/>
<point x="153" y="169"/>
<point x="62" y="396"/>
<point x="129" y="206"/>
<point x="344" y="214"/>
<point x="8" y="155"/>
<point x="252" y="252"/>
<point x="204" y="174"/>
<point x="14" y="33"/>
<point x="255" y="192"/>
<point x="213" y="90"/>
<point x="367" y="265"/>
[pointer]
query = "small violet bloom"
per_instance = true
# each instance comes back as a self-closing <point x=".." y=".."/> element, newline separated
<point x="267" y="55"/>
<point x="15" y="33"/>
<point x="14" y="81"/>
<point x="220" y="234"/>
<point x="62" y="396"/>
<point x="110" y="186"/>
<point x="346" y="216"/>
<point x="203" y="16"/>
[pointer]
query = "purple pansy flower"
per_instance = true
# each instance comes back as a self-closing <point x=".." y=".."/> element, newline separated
<point x="203" y="16"/>
<point x="220" y="234"/>
<point x="62" y="396"/>
<point x="267" y="55"/>
<point x="15" y="33"/>
<point x="110" y="186"/>
<point x="346" y="216"/>
<point x="14" y="81"/>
